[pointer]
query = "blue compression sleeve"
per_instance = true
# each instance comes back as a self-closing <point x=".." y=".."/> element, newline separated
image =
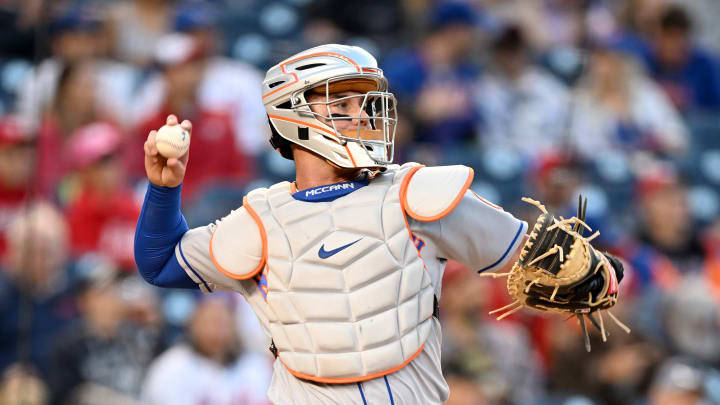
<point x="159" y="228"/>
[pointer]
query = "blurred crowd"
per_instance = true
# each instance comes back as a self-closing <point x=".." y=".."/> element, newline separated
<point x="615" y="100"/>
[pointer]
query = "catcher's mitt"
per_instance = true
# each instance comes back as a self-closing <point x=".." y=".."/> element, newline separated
<point x="559" y="271"/>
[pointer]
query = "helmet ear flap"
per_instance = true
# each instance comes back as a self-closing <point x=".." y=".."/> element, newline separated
<point x="279" y="143"/>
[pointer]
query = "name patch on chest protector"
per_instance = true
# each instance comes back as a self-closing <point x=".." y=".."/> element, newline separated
<point x="329" y="192"/>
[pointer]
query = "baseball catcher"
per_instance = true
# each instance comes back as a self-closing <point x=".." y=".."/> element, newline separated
<point x="343" y="265"/>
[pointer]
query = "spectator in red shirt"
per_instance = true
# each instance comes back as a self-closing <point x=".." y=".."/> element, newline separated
<point x="17" y="159"/>
<point x="102" y="214"/>
<point x="74" y="106"/>
<point x="218" y="159"/>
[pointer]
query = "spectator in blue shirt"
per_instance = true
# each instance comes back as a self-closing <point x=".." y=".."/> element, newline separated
<point x="687" y="73"/>
<point x="36" y="299"/>
<point x="433" y="79"/>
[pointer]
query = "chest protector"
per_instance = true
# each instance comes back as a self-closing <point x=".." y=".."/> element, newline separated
<point x="348" y="295"/>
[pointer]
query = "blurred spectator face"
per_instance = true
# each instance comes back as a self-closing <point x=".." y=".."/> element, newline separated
<point x="212" y="329"/>
<point x="200" y="21"/>
<point x="76" y="91"/>
<point x="77" y="34"/>
<point x="76" y="45"/>
<point x="666" y="214"/>
<point x="141" y="301"/>
<point x="672" y="41"/>
<point x="37" y="245"/>
<point x="106" y="175"/>
<point x="18" y="387"/>
<point x="673" y="397"/>
<point x="607" y="70"/>
<point x="556" y="181"/>
<point x="511" y="55"/>
<point x="17" y="155"/>
<point x="459" y="38"/>
<point x="452" y="25"/>
<point x="103" y="306"/>
<point x="16" y="165"/>
<point x="672" y="47"/>
<point x="693" y="320"/>
<point x="677" y="383"/>
<point x="642" y="14"/>
<point x="183" y="79"/>
<point x="183" y="62"/>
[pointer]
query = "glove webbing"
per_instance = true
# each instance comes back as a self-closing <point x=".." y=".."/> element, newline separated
<point x="552" y="259"/>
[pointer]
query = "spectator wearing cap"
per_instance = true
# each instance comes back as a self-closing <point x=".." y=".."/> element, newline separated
<point x="209" y="365"/>
<point x="17" y="161"/>
<point x="219" y="160"/>
<point x="433" y="79"/>
<point x="688" y="74"/>
<point x="679" y="381"/>
<point x="618" y="109"/>
<point x="77" y="37"/>
<point x="556" y="178"/>
<point x="35" y="294"/>
<point x="521" y="106"/>
<point x="667" y="222"/>
<point x="136" y="27"/>
<point x="666" y="243"/>
<point x="106" y="350"/>
<point x="101" y="210"/>
<point x="227" y="85"/>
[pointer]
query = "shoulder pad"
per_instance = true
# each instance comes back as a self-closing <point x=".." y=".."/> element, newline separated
<point x="238" y="246"/>
<point x="400" y="172"/>
<point x="430" y="193"/>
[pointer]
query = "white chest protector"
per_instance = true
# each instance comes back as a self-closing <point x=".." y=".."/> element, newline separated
<point x="349" y="298"/>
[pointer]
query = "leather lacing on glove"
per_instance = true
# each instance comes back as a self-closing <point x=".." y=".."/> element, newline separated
<point x="557" y="279"/>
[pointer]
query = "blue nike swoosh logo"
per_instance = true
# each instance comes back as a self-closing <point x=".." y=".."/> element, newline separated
<point x="324" y="254"/>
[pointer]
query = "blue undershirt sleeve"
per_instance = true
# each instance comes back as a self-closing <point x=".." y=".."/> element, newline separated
<point x="160" y="227"/>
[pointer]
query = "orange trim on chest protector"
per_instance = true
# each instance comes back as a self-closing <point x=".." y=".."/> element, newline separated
<point x="351" y="379"/>
<point x="263" y="237"/>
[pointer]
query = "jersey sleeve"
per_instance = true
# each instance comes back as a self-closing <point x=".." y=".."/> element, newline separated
<point x="476" y="233"/>
<point x="193" y="252"/>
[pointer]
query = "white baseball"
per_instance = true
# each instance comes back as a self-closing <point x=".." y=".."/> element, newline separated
<point x="172" y="141"/>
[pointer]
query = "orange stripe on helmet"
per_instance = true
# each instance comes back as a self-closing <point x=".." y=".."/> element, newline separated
<point x="282" y="67"/>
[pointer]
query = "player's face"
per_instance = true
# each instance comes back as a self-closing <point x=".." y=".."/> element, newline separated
<point x="340" y="104"/>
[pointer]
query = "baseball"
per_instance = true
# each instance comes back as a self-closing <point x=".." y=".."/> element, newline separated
<point x="172" y="141"/>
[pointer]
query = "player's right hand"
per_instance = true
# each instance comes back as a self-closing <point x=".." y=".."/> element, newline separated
<point x="161" y="171"/>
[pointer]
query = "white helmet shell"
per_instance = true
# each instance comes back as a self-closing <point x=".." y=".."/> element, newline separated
<point x="292" y="120"/>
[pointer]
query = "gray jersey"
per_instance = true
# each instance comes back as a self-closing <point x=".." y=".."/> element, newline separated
<point x="476" y="233"/>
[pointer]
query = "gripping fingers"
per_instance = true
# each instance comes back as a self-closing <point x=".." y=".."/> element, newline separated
<point x="150" y="148"/>
<point x="186" y="125"/>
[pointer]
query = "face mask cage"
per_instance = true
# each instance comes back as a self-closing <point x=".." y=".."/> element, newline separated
<point x="369" y="119"/>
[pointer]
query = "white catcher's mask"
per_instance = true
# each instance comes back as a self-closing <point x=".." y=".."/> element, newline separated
<point x="329" y="70"/>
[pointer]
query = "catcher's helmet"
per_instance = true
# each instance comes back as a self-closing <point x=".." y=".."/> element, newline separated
<point x="325" y="70"/>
